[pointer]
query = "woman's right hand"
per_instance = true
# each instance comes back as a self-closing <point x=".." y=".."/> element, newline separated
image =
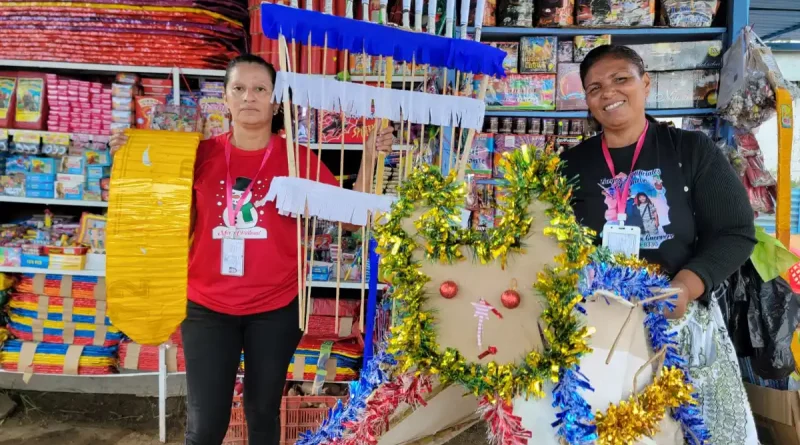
<point x="117" y="141"/>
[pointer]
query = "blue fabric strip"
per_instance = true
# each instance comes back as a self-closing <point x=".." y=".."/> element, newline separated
<point x="379" y="40"/>
<point x="52" y="348"/>
<point x="60" y="332"/>
<point x="55" y="316"/>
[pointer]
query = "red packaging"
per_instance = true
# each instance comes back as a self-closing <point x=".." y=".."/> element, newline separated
<point x="143" y="109"/>
<point x="331" y="129"/>
<point x="149" y="82"/>
<point x="8" y="92"/>
<point x="157" y="90"/>
<point x="31" y="103"/>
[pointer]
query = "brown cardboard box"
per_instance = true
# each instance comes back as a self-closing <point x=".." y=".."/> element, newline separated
<point x="777" y="414"/>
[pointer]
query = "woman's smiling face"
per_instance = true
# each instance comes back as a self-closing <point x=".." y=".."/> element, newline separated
<point x="616" y="91"/>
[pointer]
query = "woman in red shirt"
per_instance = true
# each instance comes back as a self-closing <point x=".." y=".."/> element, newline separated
<point x="243" y="262"/>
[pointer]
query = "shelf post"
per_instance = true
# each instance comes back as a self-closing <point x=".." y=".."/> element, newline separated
<point x="162" y="393"/>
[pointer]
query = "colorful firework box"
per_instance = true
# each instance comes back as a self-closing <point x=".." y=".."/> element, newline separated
<point x="342" y="364"/>
<point x="674" y="56"/>
<point x="538" y="54"/>
<point x="322" y="321"/>
<point x="556" y="12"/>
<point x="43" y="307"/>
<point x="511" y="61"/>
<point x="509" y="142"/>
<point x="63" y="286"/>
<point x="25" y="325"/>
<point x="46" y="358"/>
<point x="521" y="91"/>
<point x="481" y="156"/>
<point x="585" y="44"/>
<point x="622" y="13"/>
<point x="331" y="128"/>
<point x="570" y="94"/>
<point x="134" y="356"/>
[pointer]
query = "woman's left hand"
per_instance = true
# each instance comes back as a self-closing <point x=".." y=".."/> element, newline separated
<point x="680" y="303"/>
<point x="381" y="140"/>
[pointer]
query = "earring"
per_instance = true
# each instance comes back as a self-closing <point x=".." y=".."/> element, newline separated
<point x="510" y="297"/>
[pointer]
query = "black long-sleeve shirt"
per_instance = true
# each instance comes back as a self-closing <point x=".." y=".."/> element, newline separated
<point x="693" y="211"/>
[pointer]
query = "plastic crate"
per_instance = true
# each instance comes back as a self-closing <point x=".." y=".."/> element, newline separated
<point x="237" y="429"/>
<point x="297" y="418"/>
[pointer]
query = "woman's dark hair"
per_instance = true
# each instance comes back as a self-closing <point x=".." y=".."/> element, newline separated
<point x="277" y="120"/>
<point x="602" y="52"/>
<point x="646" y="198"/>
<point x="612" y="51"/>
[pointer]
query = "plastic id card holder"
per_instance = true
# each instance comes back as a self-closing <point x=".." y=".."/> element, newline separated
<point x="621" y="239"/>
<point x="232" y="263"/>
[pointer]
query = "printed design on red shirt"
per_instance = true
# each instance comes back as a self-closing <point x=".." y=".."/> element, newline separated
<point x="646" y="208"/>
<point x="245" y="225"/>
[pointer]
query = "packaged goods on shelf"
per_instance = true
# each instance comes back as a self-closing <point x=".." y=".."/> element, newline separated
<point x="617" y="13"/>
<point x="504" y="143"/>
<point x="191" y="35"/>
<point x="585" y="44"/>
<point x="342" y="364"/>
<point x="566" y="51"/>
<point x="481" y="156"/>
<point x="687" y="89"/>
<point x="569" y="91"/>
<point x="556" y="12"/>
<point x="538" y="54"/>
<point x="31" y="101"/>
<point x="652" y="98"/>
<point x="521" y="91"/>
<point x="307" y="126"/>
<point x="46" y="358"/>
<point x="511" y="62"/>
<point x="78" y="106"/>
<point x="515" y="13"/>
<point x="8" y="95"/>
<point x="675" y="56"/>
<point x="353" y="132"/>
<point x="489" y="12"/>
<point x="689" y="13"/>
<point x="706" y="125"/>
<point x="133" y="356"/>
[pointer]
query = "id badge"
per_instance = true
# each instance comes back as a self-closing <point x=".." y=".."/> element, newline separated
<point x="622" y="239"/>
<point x="232" y="263"/>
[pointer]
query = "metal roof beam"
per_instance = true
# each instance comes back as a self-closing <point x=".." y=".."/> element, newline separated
<point x="781" y="32"/>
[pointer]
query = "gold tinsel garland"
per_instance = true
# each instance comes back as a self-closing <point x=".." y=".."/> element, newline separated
<point x="529" y="175"/>
<point x="640" y="415"/>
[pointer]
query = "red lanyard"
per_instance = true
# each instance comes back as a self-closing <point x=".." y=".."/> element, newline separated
<point x="234" y="210"/>
<point x="622" y="195"/>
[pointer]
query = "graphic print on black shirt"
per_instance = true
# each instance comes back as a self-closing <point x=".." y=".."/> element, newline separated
<point x="647" y="206"/>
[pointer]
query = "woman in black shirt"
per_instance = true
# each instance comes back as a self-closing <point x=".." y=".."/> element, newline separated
<point x="693" y="214"/>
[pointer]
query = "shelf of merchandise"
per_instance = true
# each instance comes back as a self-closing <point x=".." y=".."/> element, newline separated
<point x="583" y="114"/>
<point x="35" y="270"/>
<point x="67" y="66"/>
<point x="655" y="32"/>
<point x="53" y="202"/>
<point x="342" y="285"/>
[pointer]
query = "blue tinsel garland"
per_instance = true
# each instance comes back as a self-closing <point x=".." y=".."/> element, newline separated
<point x="372" y="376"/>
<point x="634" y="284"/>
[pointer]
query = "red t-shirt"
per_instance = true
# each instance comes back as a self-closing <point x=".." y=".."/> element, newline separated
<point x="270" y="252"/>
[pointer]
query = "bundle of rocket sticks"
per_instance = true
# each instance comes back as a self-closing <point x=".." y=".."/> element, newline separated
<point x="524" y="316"/>
<point x="306" y="198"/>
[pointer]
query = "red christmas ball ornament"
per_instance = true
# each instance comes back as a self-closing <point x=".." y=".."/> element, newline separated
<point x="448" y="289"/>
<point x="510" y="298"/>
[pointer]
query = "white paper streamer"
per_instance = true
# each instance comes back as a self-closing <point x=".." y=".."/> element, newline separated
<point x="406" y="10"/>
<point x="365" y="10"/>
<point x="358" y="100"/>
<point x="292" y="195"/>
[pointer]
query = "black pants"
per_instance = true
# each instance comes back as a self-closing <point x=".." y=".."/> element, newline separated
<point x="212" y="346"/>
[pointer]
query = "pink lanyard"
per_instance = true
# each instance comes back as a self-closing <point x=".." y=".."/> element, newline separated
<point x="622" y="195"/>
<point x="234" y="210"/>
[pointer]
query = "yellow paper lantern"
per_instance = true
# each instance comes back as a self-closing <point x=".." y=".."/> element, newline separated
<point x="149" y="214"/>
